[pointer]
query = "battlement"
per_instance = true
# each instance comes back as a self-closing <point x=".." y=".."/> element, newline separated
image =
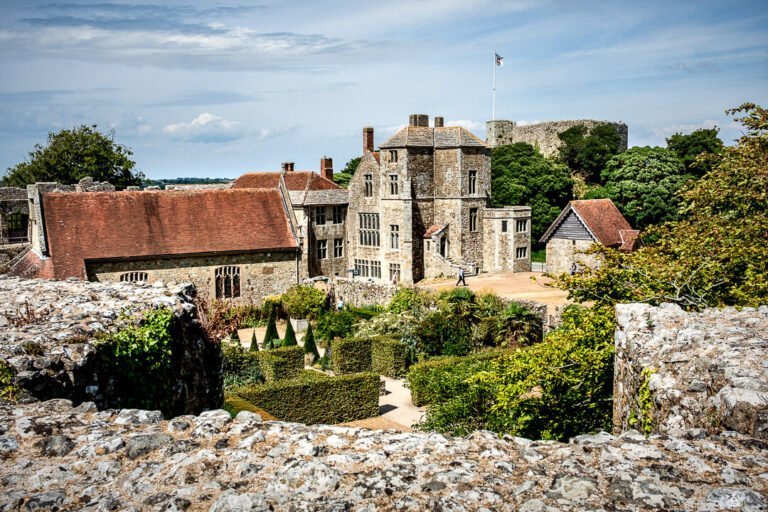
<point x="544" y="136"/>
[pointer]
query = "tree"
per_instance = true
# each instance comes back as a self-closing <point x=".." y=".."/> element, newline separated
<point x="342" y="178"/>
<point x="290" y="336"/>
<point x="644" y="182"/>
<point x="586" y="152"/>
<point x="72" y="155"/>
<point x="271" y="335"/>
<point x="309" y="343"/>
<point x="698" y="151"/>
<point x="254" y="344"/>
<point x="522" y="176"/>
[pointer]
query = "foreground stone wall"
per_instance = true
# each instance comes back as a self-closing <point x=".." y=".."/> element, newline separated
<point x="703" y="370"/>
<point x="59" y="458"/>
<point x="544" y="136"/>
<point x="49" y="332"/>
<point x="361" y="292"/>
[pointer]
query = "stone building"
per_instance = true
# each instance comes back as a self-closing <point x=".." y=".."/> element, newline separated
<point x="544" y="136"/>
<point x="14" y="216"/>
<point x="228" y="243"/>
<point x="418" y="208"/>
<point x="581" y="224"/>
<point x="320" y="208"/>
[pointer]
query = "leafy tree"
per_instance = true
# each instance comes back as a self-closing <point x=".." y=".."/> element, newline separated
<point x="698" y="151"/>
<point x="72" y="155"/>
<point x="715" y="254"/>
<point x="290" y="335"/>
<point x="644" y="182"/>
<point x="342" y="178"/>
<point x="254" y="344"/>
<point x="586" y="152"/>
<point x="310" y="347"/>
<point x="271" y="338"/>
<point x="522" y="176"/>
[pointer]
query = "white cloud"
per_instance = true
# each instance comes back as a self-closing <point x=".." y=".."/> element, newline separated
<point x="466" y="124"/>
<point x="205" y="128"/>
<point x="131" y="125"/>
<point x="268" y="133"/>
<point x="684" y="128"/>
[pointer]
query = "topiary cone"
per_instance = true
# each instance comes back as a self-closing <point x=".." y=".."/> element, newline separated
<point x="254" y="344"/>
<point x="271" y="336"/>
<point x="290" y="336"/>
<point x="309" y="343"/>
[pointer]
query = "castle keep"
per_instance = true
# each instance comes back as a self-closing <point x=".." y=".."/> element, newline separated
<point x="544" y="136"/>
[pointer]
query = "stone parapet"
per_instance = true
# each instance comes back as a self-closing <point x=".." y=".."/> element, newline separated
<point x="545" y="136"/>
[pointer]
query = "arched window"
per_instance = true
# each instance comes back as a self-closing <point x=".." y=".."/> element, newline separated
<point x="227" y="282"/>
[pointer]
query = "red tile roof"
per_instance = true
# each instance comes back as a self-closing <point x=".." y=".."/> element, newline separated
<point x="294" y="181"/>
<point x="628" y="239"/>
<point x="603" y="219"/>
<point x="107" y="225"/>
<point x="433" y="230"/>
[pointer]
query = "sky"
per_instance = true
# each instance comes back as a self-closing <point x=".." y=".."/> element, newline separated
<point x="216" y="89"/>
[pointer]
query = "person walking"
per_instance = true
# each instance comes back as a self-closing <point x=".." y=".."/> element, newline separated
<point x="461" y="277"/>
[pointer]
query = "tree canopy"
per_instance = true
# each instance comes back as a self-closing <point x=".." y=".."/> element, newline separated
<point x="643" y="182"/>
<point x="522" y="176"/>
<point x="698" y="150"/>
<point x="74" y="154"/>
<point x="342" y="178"/>
<point x="586" y="152"/>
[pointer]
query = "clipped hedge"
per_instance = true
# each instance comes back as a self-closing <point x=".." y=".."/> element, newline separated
<point x="441" y="378"/>
<point x="313" y="397"/>
<point x="240" y="367"/>
<point x="281" y="363"/>
<point x="351" y="355"/>
<point x="388" y="357"/>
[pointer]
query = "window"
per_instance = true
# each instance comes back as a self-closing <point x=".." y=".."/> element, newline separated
<point x="393" y="156"/>
<point x="376" y="269"/>
<point x="368" y="268"/>
<point x="473" y="219"/>
<point x="521" y="252"/>
<point x="472" y="182"/>
<point x="394" y="272"/>
<point x="338" y="214"/>
<point x="320" y="215"/>
<point x="134" y="277"/>
<point x="503" y="226"/>
<point x="394" y="236"/>
<point x="521" y="226"/>
<point x="227" y="282"/>
<point x="338" y="247"/>
<point x="368" y="181"/>
<point x="369" y="229"/>
<point x="16" y="221"/>
<point x="393" y="186"/>
<point x="322" y="249"/>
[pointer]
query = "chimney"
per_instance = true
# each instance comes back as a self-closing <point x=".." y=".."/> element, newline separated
<point x="418" y="120"/>
<point x="326" y="168"/>
<point x="439" y="122"/>
<point x="287" y="166"/>
<point x="367" y="139"/>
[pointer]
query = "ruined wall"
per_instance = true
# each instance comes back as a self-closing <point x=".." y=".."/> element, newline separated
<point x="261" y="274"/>
<point x="702" y="371"/>
<point x="544" y="136"/>
<point x="562" y="253"/>
<point x="361" y="292"/>
<point x="13" y="201"/>
<point x="49" y="332"/>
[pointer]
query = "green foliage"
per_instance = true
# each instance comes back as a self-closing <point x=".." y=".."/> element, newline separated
<point x="644" y="183"/>
<point x="522" y="176"/>
<point x="75" y="154"/>
<point x="254" y="347"/>
<point x="715" y="255"/>
<point x="336" y="324"/>
<point x="351" y="355"/>
<point x="551" y="390"/>
<point x="539" y="256"/>
<point x="439" y="333"/>
<point x="409" y="300"/>
<point x="137" y="362"/>
<point x="698" y="151"/>
<point x="316" y="398"/>
<point x="8" y="389"/>
<point x="240" y="367"/>
<point x="234" y="404"/>
<point x="302" y="301"/>
<point x="281" y="363"/>
<point x="290" y="335"/>
<point x="310" y="347"/>
<point x="388" y="357"/>
<point x="441" y="378"/>
<point x="271" y="337"/>
<point x="343" y="177"/>
<point x="586" y="152"/>
<point x="518" y="326"/>
<point x="644" y="404"/>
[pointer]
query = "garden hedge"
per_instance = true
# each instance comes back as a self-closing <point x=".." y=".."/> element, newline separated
<point x="441" y="378"/>
<point x="388" y="357"/>
<point x="281" y="363"/>
<point x="313" y="397"/>
<point x="351" y="355"/>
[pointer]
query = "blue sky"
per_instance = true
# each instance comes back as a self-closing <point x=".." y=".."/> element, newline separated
<point x="218" y="89"/>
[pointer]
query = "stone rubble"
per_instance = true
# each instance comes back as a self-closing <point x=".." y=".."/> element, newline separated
<point x="56" y="457"/>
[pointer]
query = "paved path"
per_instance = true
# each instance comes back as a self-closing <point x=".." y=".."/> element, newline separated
<point x="396" y="405"/>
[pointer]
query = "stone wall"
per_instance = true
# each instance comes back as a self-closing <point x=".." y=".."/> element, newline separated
<point x="49" y="332"/>
<point x="261" y="274"/>
<point x="59" y="458"/>
<point x="361" y="292"/>
<point x="13" y="201"/>
<point x="544" y="136"/>
<point x="562" y="254"/>
<point x="704" y="371"/>
<point x="499" y="246"/>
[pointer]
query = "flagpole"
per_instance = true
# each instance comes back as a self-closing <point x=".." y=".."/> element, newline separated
<point x="493" y="94"/>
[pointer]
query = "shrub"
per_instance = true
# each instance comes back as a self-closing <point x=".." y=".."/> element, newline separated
<point x="254" y="347"/>
<point x="309" y="342"/>
<point x="302" y="301"/>
<point x="442" y="333"/>
<point x="317" y="398"/>
<point x="335" y="324"/>
<point x="8" y="390"/>
<point x="234" y="404"/>
<point x="388" y="357"/>
<point x="271" y="336"/>
<point x="240" y="367"/>
<point x="441" y="378"/>
<point x="351" y="355"/>
<point x="408" y="300"/>
<point x="365" y="312"/>
<point x="282" y="363"/>
<point x="290" y="336"/>
<point x="518" y="326"/>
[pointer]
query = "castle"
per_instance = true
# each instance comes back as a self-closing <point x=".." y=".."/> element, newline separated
<point x="544" y="136"/>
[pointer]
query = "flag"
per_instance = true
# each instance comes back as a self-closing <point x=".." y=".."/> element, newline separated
<point x="499" y="60"/>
